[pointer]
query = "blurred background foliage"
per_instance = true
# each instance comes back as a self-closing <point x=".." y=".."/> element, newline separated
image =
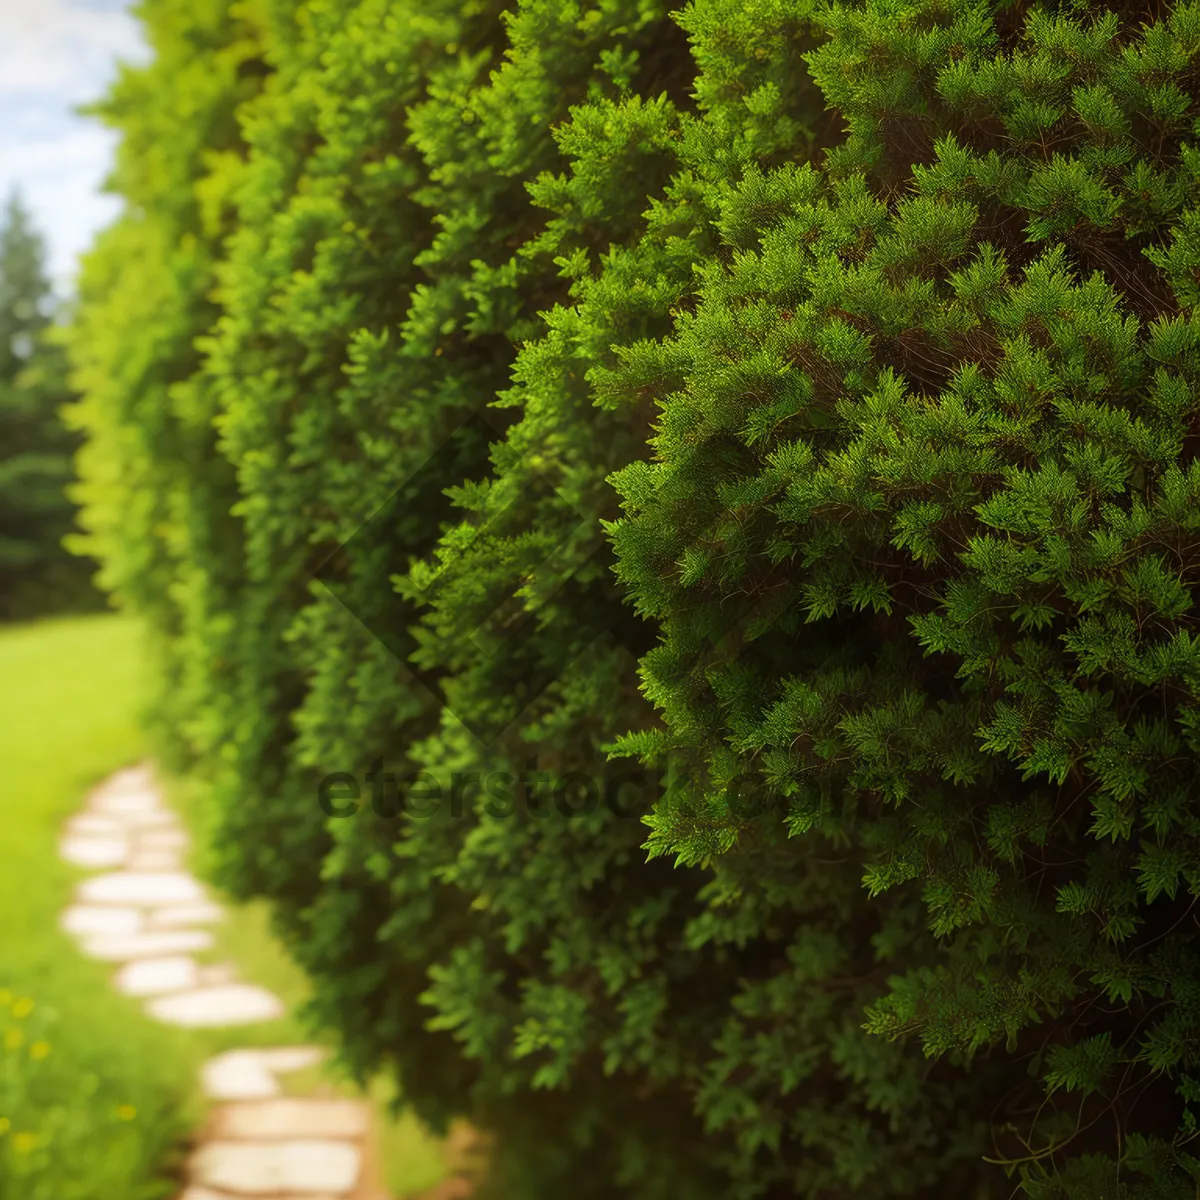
<point x="37" y="574"/>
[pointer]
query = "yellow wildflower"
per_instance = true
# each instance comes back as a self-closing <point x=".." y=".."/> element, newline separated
<point x="126" y="1112"/>
<point x="24" y="1142"/>
<point x="22" y="1008"/>
<point x="13" y="1038"/>
<point x="39" y="1050"/>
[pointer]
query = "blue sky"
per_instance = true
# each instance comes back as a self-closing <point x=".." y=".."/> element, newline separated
<point x="55" y="54"/>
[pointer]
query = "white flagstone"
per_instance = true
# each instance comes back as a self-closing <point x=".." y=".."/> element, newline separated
<point x="163" y="839"/>
<point x="290" y="1117"/>
<point x="90" y="825"/>
<point x="126" y="802"/>
<point x="203" y="1193"/>
<point x="210" y="1007"/>
<point x="283" y="1060"/>
<point x="299" y="1165"/>
<point x="158" y="820"/>
<point x="84" y="920"/>
<point x="87" y="850"/>
<point x="157" y="976"/>
<point x="238" y="1075"/>
<point x="251" y="1074"/>
<point x="127" y="947"/>
<point x="129" y="887"/>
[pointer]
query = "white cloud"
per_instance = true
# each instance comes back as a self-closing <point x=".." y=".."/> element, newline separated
<point x="54" y="55"/>
<point x="54" y="45"/>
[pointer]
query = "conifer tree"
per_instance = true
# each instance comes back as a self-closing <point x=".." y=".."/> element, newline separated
<point x="37" y="574"/>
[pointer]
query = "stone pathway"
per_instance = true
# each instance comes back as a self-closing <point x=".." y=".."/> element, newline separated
<point x="148" y="916"/>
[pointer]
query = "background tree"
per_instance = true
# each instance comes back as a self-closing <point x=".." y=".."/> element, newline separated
<point x="37" y="574"/>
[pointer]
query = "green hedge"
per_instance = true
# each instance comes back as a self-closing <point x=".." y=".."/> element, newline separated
<point x="876" y="320"/>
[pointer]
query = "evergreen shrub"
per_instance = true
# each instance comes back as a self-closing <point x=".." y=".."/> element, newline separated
<point x="919" y="538"/>
<point x="875" y="318"/>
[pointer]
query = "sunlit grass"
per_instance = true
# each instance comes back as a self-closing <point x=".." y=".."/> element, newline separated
<point x="95" y="1097"/>
<point x="411" y="1159"/>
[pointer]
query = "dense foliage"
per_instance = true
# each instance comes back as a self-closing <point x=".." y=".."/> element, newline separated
<point x="37" y="574"/>
<point x="901" y="420"/>
<point x="936" y="440"/>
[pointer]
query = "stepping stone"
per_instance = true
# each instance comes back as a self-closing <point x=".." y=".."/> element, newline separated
<point x="154" y="860"/>
<point x="86" y="851"/>
<point x="174" y="915"/>
<point x="283" y="1060"/>
<point x="272" y="1120"/>
<point x="157" y="976"/>
<point x="126" y="802"/>
<point x="250" y="1074"/>
<point x="303" y="1166"/>
<point x="89" y="825"/>
<point x="203" y="1193"/>
<point x="127" y="947"/>
<point x="238" y="1075"/>
<point x="85" y="920"/>
<point x="226" y="1004"/>
<point x="130" y="887"/>
<point x="160" y="821"/>
<point x="163" y="839"/>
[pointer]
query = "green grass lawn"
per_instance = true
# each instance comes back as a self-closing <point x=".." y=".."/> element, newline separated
<point x="95" y="1099"/>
